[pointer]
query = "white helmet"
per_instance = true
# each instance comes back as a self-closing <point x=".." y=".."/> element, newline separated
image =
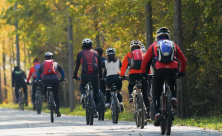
<point x="163" y="31"/>
<point x="135" y="43"/>
<point x="143" y="50"/>
<point x="110" y="51"/>
<point x="87" y="42"/>
<point x="143" y="47"/>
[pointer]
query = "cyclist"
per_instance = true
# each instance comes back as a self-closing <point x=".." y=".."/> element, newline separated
<point x="91" y="69"/>
<point x="33" y="72"/>
<point x="18" y="81"/>
<point x="134" y="74"/>
<point x="164" y="65"/>
<point x="102" y="82"/>
<point x="49" y="68"/>
<point x="113" y="65"/>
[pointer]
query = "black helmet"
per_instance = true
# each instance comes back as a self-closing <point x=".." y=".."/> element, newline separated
<point x="87" y="43"/>
<point x="36" y="60"/>
<point x="48" y="55"/>
<point x="99" y="50"/>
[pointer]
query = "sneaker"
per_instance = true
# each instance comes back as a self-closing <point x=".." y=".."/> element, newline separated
<point x="130" y="98"/>
<point x="82" y="100"/>
<point x="58" y="114"/>
<point x="157" y="119"/>
<point x="107" y="105"/>
<point x="174" y="103"/>
<point x="121" y="107"/>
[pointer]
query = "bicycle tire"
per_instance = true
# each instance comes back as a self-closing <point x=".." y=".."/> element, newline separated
<point x="168" y="121"/>
<point x="51" y="106"/>
<point x="142" y="112"/>
<point x="91" y="109"/>
<point x="101" y="107"/>
<point x="87" y="110"/>
<point x="39" y="103"/>
<point x="116" y="112"/>
<point x="162" y="123"/>
<point x="21" y="100"/>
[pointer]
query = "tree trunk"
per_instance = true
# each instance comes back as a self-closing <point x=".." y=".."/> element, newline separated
<point x="63" y="66"/>
<point x="17" y="41"/>
<point x="1" y="99"/>
<point x="181" y="83"/>
<point x="4" y="72"/>
<point x="11" y="64"/>
<point x="70" y="45"/>
<point x="25" y="59"/>
<point x="149" y="30"/>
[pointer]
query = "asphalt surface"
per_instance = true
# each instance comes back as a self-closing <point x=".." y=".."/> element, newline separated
<point x="28" y="123"/>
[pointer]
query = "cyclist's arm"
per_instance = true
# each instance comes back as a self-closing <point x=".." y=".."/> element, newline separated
<point x="13" y="80"/>
<point x="182" y="59"/>
<point x="147" y="60"/>
<point x="61" y="71"/>
<point x="124" y="65"/>
<point x="120" y="64"/>
<point x="24" y="75"/>
<point x="30" y="74"/>
<point x="77" y="65"/>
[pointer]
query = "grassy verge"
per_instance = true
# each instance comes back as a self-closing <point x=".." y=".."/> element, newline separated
<point x="214" y="123"/>
<point x="201" y="122"/>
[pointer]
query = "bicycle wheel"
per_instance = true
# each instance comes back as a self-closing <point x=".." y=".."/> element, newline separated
<point x="87" y="110"/>
<point x="163" y="120"/>
<point x="169" y="116"/>
<point x="142" y="111"/>
<point x="21" y="100"/>
<point x="39" y="104"/>
<point x="101" y="106"/>
<point x="115" y="112"/>
<point x="51" y="105"/>
<point x="91" y="108"/>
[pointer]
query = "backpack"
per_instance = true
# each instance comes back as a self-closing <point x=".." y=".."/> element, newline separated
<point x="165" y="51"/>
<point x="136" y="59"/>
<point x="48" y="67"/>
<point x="36" y="67"/>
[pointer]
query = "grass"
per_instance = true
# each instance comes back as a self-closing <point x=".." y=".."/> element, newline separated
<point x="214" y="123"/>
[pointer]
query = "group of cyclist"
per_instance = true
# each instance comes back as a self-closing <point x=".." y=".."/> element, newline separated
<point x="47" y="72"/>
<point x="162" y="55"/>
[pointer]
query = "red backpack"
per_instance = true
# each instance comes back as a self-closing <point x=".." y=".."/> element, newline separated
<point x="48" y="67"/>
<point x="136" y="59"/>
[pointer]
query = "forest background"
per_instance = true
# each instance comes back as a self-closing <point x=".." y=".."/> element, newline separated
<point x="42" y="27"/>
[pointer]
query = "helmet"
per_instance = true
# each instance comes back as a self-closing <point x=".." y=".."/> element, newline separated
<point x="48" y="55"/>
<point x="36" y="60"/>
<point x="135" y="43"/>
<point x="143" y="50"/>
<point x="143" y="47"/>
<point x="87" y="43"/>
<point x="110" y="51"/>
<point x="163" y="31"/>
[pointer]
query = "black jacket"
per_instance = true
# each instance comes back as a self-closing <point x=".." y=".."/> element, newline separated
<point x="18" y="77"/>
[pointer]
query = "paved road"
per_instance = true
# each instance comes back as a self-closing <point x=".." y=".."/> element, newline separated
<point x="28" y="123"/>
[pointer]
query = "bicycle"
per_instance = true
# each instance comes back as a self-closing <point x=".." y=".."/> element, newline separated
<point x="21" y="99"/>
<point x="89" y="104"/>
<point x="101" y="106"/>
<point x="115" y="107"/>
<point x="38" y="99"/>
<point x="51" y="102"/>
<point x="166" y="110"/>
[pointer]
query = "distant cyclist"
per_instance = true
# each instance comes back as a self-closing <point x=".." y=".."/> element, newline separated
<point x="165" y="54"/>
<point x="143" y="48"/>
<point x="33" y="73"/>
<point x="19" y="81"/>
<point x="91" y="69"/>
<point x="102" y="82"/>
<point x="134" y="60"/>
<point x="113" y="65"/>
<point x="49" y="68"/>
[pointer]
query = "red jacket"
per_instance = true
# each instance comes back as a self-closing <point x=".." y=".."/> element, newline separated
<point x="125" y="65"/>
<point x="32" y="72"/>
<point x="159" y="65"/>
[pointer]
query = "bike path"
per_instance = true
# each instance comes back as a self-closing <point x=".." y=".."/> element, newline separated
<point x="26" y="123"/>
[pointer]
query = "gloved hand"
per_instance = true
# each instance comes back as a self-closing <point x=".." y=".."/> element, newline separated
<point x="181" y="74"/>
<point x="75" y="77"/>
<point x="143" y="74"/>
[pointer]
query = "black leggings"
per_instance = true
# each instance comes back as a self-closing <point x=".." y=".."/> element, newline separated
<point x="158" y="85"/>
<point x="132" y="79"/>
<point x="24" y="87"/>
